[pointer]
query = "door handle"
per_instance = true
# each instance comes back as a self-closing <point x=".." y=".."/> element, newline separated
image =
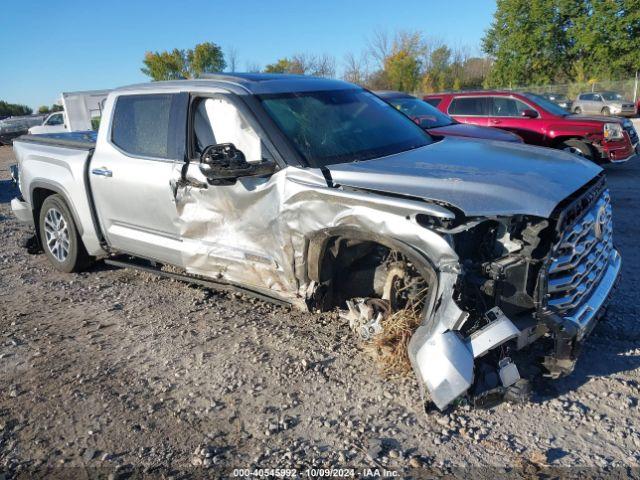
<point x="102" y="172"/>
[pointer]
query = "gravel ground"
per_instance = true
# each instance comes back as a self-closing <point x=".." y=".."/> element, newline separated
<point x="114" y="372"/>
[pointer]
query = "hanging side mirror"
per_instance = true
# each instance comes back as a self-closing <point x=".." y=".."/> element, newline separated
<point x="223" y="162"/>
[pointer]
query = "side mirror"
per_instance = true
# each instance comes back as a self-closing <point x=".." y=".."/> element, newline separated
<point x="529" y="113"/>
<point x="224" y="163"/>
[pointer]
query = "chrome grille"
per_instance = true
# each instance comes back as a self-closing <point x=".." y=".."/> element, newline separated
<point x="581" y="258"/>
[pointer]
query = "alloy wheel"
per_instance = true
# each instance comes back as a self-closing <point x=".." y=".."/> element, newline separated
<point x="56" y="230"/>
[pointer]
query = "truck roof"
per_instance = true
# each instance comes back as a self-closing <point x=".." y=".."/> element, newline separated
<point x="252" y="83"/>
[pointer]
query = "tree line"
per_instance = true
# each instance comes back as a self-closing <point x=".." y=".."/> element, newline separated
<point x="529" y="42"/>
<point x="406" y="61"/>
<point x="13" y="110"/>
<point x="561" y="41"/>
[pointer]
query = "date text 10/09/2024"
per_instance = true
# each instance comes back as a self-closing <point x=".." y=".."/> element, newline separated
<point x="316" y="473"/>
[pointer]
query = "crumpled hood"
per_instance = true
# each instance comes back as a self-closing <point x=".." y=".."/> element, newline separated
<point x="482" y="178"/>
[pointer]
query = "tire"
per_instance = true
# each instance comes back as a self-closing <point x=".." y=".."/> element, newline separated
<point x="606" y="112"/>
<point x="577" y="147"/>
<point x="59" y="236"/>
<point x="577" y="110"/>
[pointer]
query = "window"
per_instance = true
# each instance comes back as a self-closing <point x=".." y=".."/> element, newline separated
<point x="507" y="107"/>
<point x="586" y="96"/>
<point x="474" y="106"/>
<point x="433" y="101"/>
<point x="339" y="126"/>
<point x="141" y="125"/>
<point x="56" y="119"/>
<point x="612" y="96"/>
<point x="596" y="97"/>
<point x="218" y="120"/>
<point x="425" y="115"/>
<point x="546" y="104"/>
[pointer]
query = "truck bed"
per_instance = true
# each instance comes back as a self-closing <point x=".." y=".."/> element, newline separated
<point x="60" y="162"/>
<point x="79" y="140"/>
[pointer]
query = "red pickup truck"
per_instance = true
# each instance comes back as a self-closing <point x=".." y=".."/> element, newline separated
<point x="541" y="122"/>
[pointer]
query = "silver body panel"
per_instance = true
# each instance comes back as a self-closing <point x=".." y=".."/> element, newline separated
<point x="479" y="177"/>
<point x="258" y="232"/>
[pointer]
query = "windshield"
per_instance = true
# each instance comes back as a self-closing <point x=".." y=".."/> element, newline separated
<point x="339" y="126"/>
<point x="425" y="115"/>
<point x="611" y="96"/>
<point x="548" y="105"/>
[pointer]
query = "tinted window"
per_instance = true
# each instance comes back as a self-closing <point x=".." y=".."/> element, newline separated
<point x="546" y="104"/>
<point x="507" y="107"/>
<point x="611" y="96"/>
<point x="421" y="112"/>
<point x="469" y="106"/>
<point x="338" y="126"/>
<point x="433" y="101"/>
<point x="586" y="96"/>
<point x="141" y="125"/>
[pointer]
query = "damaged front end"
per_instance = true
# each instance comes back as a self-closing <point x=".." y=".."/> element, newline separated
<point x="519" y="279"/>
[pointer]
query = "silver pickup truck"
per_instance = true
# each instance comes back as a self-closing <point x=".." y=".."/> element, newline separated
<point x="319" y="194"/>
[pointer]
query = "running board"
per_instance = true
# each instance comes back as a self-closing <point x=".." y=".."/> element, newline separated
<point x="150" y="267"/>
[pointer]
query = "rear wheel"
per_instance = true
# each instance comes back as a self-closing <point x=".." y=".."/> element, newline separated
<point x="577" y="110"/>
<point x="60" y="238"/>
<point x="606" y="112"/>
<point x="577" y="147"/>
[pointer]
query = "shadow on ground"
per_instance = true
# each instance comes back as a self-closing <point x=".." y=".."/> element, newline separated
<point x="8" y="191"/>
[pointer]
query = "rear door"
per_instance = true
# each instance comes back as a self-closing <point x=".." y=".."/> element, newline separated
<point x="472" y="110"/>
<point x="506" y="114"/>
<point x="131" y="173"/>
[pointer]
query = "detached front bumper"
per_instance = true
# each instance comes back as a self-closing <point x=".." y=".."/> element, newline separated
<point x="446" y="363"/>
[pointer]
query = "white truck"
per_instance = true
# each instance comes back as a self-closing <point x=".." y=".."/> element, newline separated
<point x="80" y="111"/>
<point x="319" y="194"/>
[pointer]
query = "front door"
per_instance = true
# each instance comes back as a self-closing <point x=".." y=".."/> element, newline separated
<point x="230" y="230"/>
<point x="131" y="173"/>
<point x="506" y="114"/>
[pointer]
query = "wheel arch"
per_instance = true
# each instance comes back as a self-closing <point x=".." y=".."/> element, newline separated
<point x="320" y="242"/>
<point x="39" y="191"/>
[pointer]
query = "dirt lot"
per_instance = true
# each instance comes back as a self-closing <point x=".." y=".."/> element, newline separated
<point x="113" y="371"/>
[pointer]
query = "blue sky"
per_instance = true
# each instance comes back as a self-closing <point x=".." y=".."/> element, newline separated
<point x="54" y="46"/>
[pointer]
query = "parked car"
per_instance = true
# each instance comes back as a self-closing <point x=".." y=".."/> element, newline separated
<point x="437" y="123"/>
<point x="13" y="127"/>
<point x="317" y="193"/>
<point x="559" y="99"/>
<point x="81" y="111"/>
<point x="604" y="103"/>
<point x="541" y="122"/>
